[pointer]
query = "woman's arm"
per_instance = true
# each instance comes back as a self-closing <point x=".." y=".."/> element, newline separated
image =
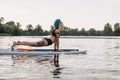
<point x="56" y="45"/>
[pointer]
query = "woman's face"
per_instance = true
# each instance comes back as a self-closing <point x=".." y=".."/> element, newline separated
<point x="60" y="26"/>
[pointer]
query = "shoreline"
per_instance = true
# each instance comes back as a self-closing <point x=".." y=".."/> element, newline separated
<point x="75" y="37"/>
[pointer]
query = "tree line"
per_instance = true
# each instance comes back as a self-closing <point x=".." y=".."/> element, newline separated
<point x="12" y="28"/>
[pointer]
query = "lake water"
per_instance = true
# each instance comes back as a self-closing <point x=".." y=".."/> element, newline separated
<point x="102" y="61"/>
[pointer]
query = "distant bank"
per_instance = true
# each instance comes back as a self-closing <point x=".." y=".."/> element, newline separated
<point x="73" y="37"/>
<point x="12" y="28"/>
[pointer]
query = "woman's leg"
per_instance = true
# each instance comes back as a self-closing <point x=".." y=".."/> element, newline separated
<point x="24" y="43"/>
<point x="41" y="43"/>
<point x="27" y="43"/>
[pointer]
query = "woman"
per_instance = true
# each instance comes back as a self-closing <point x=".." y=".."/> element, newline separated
<point x="54" y="38"/>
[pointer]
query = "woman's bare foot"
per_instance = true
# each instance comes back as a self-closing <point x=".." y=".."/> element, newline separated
<point x="14" y="44"/>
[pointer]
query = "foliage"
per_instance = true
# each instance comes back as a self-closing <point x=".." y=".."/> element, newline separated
<point x="107" y="30"/>
<point x="117" y="29"/>
<point x="14" y="29"/>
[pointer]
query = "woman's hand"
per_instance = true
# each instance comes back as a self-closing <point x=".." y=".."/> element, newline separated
<point x="59" y="50"/>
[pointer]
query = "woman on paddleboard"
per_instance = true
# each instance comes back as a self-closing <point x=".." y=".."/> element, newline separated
<point x="54" y="38"/>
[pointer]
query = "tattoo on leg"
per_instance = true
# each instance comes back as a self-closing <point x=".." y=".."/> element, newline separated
<point x="40" y="44"/>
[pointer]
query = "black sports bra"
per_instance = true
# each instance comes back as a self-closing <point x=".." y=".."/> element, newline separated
<point x="54" y="34"/>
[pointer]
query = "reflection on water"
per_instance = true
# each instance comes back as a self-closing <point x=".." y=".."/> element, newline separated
<point x="102" y="61"/>
<point x="56" y="72"/>
<point x="18" y="60"/>
<point x="56" y="60"/>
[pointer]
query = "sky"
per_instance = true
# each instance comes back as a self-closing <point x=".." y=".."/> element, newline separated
<point x="73" y="13"/>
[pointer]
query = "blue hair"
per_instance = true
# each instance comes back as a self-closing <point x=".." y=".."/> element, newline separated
<point x="56" y="23"/>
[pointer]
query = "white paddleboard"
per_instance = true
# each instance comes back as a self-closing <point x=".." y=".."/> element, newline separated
<point x="43" y="52"/>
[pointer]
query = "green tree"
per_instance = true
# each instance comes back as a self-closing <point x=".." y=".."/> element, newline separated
<point x="51" y="28"/>
<point x="38" y="31"/>
<point x="18" y="25"/>
<point x="2" y="28"/>
<point x="13" y="28"/>
<point x="92" y="32"/>
<point x="8" y="28"/>
<point x="99" y="33"/>
<point x="117" y="29"/>
<point x="65" y="31"/>
<point x="73" y="32"/>
<point x="46" y="33"/>
<point x="29" y="28"/>
<point x="1" y="20"/>
<point x="83" y="32"/>
<point x="108" y="30"/>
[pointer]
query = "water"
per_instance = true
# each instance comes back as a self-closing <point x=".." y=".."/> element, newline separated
<point x="102" y="61"/>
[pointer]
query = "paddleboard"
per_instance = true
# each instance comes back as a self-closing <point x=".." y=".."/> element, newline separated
<point x="42" y="52"/>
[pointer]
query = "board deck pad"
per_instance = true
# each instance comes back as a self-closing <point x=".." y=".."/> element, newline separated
<point x="45" y="49"/>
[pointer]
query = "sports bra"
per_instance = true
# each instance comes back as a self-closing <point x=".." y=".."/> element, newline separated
<point x="53" y="33"/>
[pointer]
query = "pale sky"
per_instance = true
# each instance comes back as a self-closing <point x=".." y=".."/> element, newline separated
<point x="73" y="13"/>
